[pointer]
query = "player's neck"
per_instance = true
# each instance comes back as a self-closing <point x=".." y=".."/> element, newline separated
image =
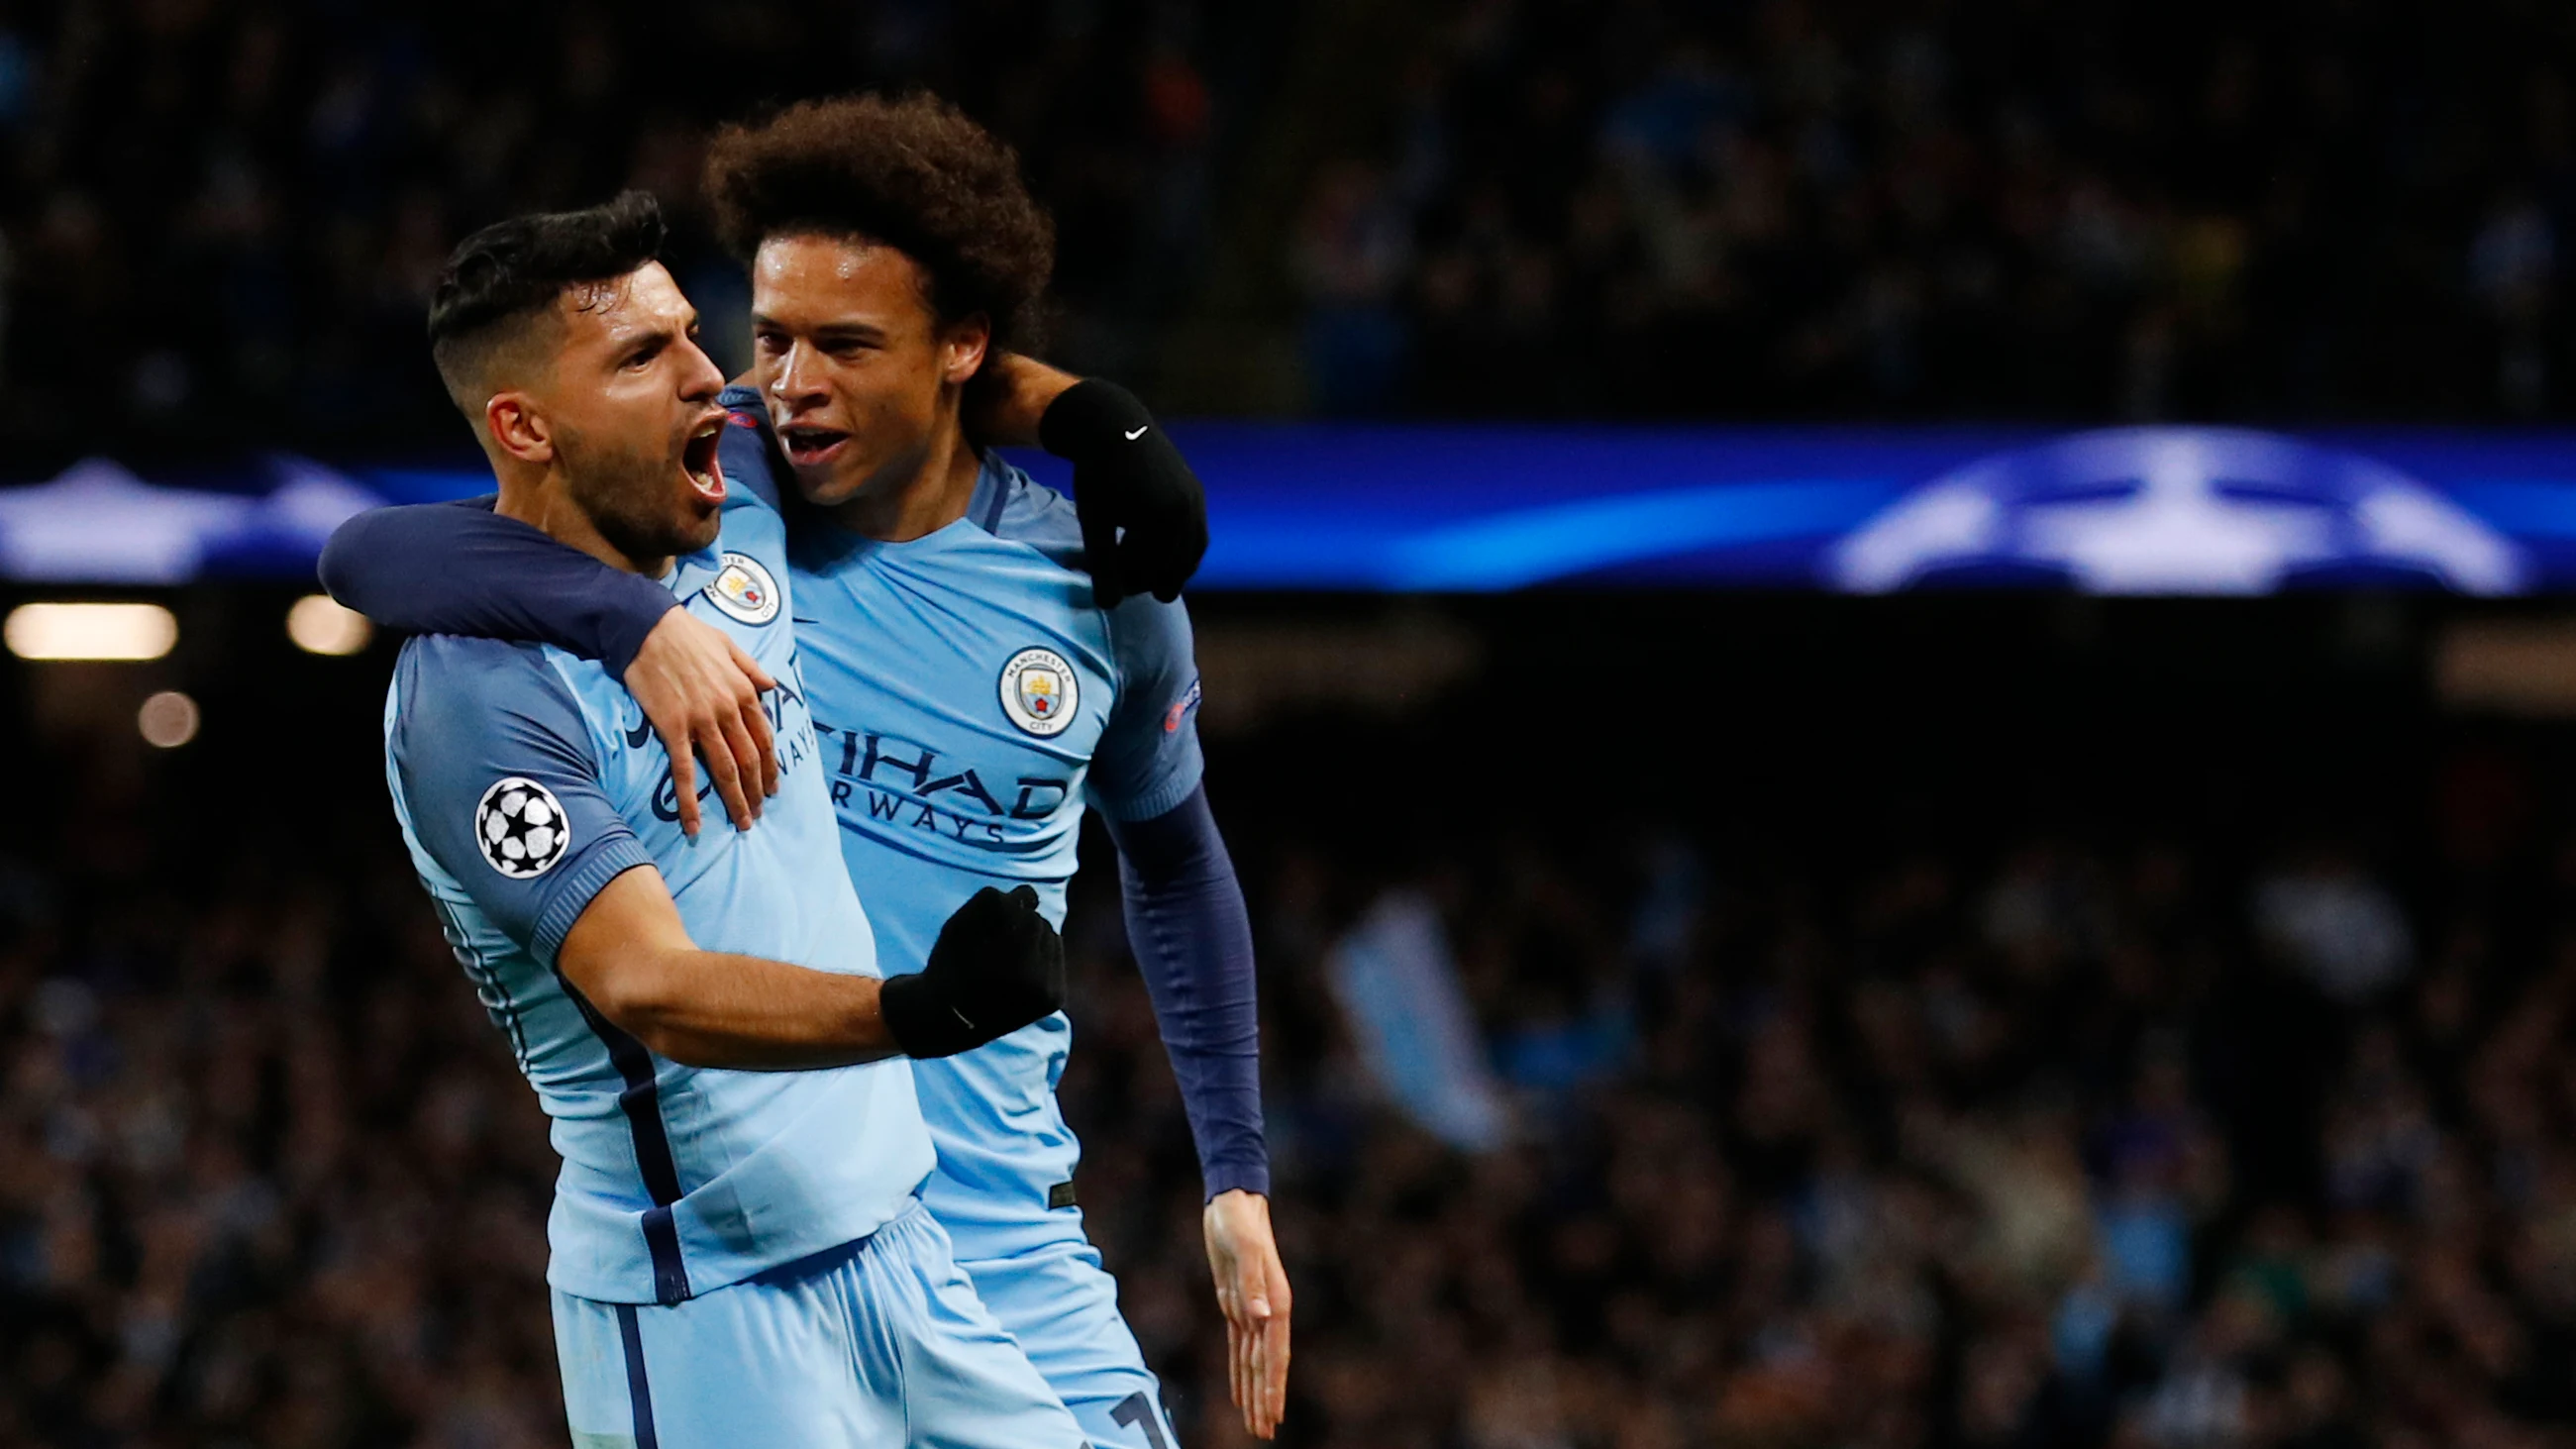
<point x="543" y="504"/>
<point x="919" y="500"/>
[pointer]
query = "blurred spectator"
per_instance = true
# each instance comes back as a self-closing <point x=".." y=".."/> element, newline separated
<point x="226" y="218"/>
<point x="1394" y="978"/>
<point x="1817" y="207"/>
<point x="1350" y="259"/>
<point x="1935" y="1151"/>
<point x="221" y="216"/>
<point x="2338" y="926"/>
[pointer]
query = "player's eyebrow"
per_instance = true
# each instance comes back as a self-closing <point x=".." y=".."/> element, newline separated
<point x="641" y="340"/>
<point x="829" y="332"/>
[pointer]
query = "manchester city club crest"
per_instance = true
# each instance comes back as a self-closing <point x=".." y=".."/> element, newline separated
<point x="1039" y="692"/>
<point x="745" y="590"/>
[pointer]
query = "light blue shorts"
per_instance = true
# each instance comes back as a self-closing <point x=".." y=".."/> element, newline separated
<point x="1062" y="1306"/>
<point x="871" y="1345"/>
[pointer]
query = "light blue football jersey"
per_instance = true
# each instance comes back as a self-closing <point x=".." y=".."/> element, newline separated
<point x="969" y="698"/>
<point x="525" y="780"/>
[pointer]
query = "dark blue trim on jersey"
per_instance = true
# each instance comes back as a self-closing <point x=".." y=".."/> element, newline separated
<point x="748" y="453"/>
<point x="639" y="1390"/>
<point x="992" y="520"/>
<point x="606" y="861"/>
<point x="641" y="1101"/>
<point x="488" y="986"/>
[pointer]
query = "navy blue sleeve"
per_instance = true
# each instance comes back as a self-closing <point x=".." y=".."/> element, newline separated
<point x="1193" y="940"/>
<point x="460" y="568"/>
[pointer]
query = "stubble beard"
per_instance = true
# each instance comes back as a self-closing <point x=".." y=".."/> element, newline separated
<point x="628" y="496"/>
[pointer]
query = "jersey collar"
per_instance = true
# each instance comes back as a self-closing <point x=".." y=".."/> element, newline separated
<point x="691" y="572"/>
<point x="995" y="482"/>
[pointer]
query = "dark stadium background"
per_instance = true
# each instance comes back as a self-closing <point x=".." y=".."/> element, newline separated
<point x="1899" y="1050"/>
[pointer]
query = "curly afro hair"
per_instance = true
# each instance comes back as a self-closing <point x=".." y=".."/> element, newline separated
<point x="913" y="173"/>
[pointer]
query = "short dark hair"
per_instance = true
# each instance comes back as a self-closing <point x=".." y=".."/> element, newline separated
<point x="914" y="173"/>
<point x="511" y="271"/>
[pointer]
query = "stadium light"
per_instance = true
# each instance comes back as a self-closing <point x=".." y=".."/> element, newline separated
<point x="319" y="626"/>
<point x="90" y="631"/>
<point x="168" y="720"/>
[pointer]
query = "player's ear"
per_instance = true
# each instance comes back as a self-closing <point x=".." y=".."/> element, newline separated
<point x="962" y="346"/>
<point x="517" y="428"/>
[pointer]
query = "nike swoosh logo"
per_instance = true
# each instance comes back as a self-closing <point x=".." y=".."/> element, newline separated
<point x="1140" y="432"/>
<point x="636" y="737"/>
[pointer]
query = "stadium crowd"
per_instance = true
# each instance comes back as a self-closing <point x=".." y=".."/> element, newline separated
<point x="220" y="222"/>
<point x="1898" y="207"/>
<point x="2179" y="1143"/>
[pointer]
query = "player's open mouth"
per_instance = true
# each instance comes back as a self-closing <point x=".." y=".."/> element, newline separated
<point x="808" y="447"/>
<point x="698" y="460"/>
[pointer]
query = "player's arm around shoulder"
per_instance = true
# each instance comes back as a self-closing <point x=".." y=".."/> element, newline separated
<point x="499" y="774"/>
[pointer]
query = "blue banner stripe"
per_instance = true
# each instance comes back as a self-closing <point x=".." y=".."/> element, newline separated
<point x="1534" y="545"/>
<point x="1379" y="507"/>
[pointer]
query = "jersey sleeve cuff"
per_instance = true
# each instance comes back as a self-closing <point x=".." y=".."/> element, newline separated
<point x="1225" y="1177"/>
<point x="1163" y="795"/>
<point x="583" y="879"/>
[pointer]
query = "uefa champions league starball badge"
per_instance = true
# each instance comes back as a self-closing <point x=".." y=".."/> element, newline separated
<point x="1039" y="692"/>
<point x="521" y="828"/>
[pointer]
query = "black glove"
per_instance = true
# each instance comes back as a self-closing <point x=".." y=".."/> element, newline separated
<point x="1127" y="475"/>
<point x="996" y="967"/>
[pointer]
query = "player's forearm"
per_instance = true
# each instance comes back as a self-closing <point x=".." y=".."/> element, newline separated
<point x="996" y="967"/>
<point x="1008" y="416"/>
<point x="713" y="1009"/>
<point x="459" y="568"/>
<point x="1192" y="938"/>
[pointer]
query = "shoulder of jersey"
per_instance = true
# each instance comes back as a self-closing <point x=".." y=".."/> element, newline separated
<point x="1029" y="512"/>
<point x="452" y="682"/>
<point x="470" y="657"/>
<point x="746" y="442"/>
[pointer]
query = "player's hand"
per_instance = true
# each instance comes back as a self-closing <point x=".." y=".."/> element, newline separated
<point x="1127" y="476"/>
<point x="701" y="694"/>
<point x="1252" y="1290"/>
<point x="997" y="966"/>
